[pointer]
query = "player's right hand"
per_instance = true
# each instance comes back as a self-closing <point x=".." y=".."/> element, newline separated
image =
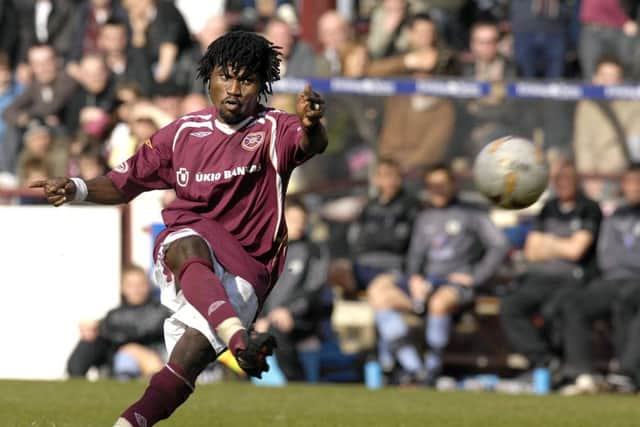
<point x="58" y="191"/>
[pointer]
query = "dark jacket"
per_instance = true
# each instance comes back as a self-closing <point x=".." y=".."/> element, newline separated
<point x="58" y="26"/>
<point x="142" y="324"/>
<point x="31" y="100"/>
<point x="381" y="236"/>
<point x="302" y="281"/>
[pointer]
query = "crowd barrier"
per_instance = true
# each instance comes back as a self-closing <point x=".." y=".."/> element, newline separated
<point x="458" y="88"/>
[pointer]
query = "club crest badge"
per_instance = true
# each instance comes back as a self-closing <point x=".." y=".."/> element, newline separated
<point x="182" y="177"/>
<point x="252" y="141"/>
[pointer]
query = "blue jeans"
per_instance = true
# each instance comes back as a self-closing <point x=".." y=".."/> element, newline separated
<point x="533" y="50"/>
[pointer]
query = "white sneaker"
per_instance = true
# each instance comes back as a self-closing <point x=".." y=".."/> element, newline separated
<point x="585" y="384"/>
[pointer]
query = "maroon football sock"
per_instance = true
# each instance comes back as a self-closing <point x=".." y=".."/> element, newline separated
<point x="167" y="390"/>
<point x="204" y="290"/>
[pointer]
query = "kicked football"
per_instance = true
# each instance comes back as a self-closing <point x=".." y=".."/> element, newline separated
<point x="511" y="172"/>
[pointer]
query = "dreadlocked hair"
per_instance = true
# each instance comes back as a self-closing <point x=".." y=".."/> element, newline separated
<point x="243" y="50"/>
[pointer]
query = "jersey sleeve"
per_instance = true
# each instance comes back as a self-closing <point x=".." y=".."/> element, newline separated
<point x="289" y="134"/>
<point x="150" y="168"/>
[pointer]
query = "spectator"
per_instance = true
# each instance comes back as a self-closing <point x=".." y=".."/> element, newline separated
<point x="90" y="17"/>
<point x="388" y="29"/>
<point x="9" y="30"/>
<point x="540" y="31"/>
<point x="39" y="142"/>
<point x="606" y="133"/>
<point x="47" y="96"/>
<point x="45" y="22"/>
<point x="492" y="116"/>
<point x="607" y="27"/>
<point x="454" y="249"/>
<point x="33" y="169"/>
<point x="159" y="28"/>
<point x="129" y="338"/>
<point x="298" y="59"/>
<point x="90" y="106"/>
<point x="561" y="254"/>
<point x="126" y="63"/>
<point x="91" y="163"/>
<point x="379" y="239"/>
<point x="333" y="35"/>
<point x="186" y="68"/>
<point x="487" y="63"/>
<point x="9" y="90"/>
<point x="416" y="129"/>
<point x="292" y="312"/>
<point x="144" y="119"/>
<point x="619" y="262"/>
<point x="193" y="102"/>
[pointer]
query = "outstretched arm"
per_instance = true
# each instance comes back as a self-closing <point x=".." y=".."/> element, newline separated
<point x="310" y="109"/>
<point x="99" y="190"/>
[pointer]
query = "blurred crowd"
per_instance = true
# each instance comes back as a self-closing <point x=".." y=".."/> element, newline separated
<point x="84" y="82"/>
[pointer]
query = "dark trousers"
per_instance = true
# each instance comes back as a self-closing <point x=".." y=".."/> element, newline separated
<point x="535" y="50"/>
<point x="599" y="301"/>
<point x="287" y="353"/>
<point x="595" y="41"/>
<point x="627" y="320"/>
<point x="538" y="294"/>
<point x="88" y="354"/>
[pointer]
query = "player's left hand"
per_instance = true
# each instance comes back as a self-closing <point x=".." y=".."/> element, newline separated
<point x="310" y="107"/>
<point x="57" y="190"/>
<point x="463" y="279"/>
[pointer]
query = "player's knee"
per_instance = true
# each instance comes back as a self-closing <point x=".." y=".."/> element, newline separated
<point x="183" y="249"/>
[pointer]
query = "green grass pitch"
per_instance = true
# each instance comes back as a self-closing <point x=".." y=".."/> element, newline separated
<point x="83" y="404"/>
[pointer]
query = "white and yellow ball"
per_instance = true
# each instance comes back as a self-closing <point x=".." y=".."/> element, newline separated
<point x="511" y="172"/>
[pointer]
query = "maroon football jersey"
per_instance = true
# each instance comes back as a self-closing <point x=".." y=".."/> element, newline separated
<point x="234" y="175"/>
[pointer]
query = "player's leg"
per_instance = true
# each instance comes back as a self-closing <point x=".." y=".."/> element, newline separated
<point x="171" y="387"/>
<point x="389" y="301"/>
<point x="442" y="303"/>
<point x="189" y="259"/>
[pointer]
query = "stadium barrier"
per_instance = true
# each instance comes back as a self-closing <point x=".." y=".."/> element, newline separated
<point x="458" y="88"/>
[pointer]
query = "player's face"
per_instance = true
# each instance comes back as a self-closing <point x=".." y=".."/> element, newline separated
<point x="441" y="188"/>
<point x="631" y="187"/>
<point x="234" y="93"/>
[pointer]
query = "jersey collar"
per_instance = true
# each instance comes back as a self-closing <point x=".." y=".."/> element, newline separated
<point x="231" y="129"/>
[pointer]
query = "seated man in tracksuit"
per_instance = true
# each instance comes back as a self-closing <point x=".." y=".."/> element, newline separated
<point x="379" y="239"/>
<point x="560" y="251"/>
<point x="614" y="295"/>
<point x="454" y="248"/>
<point x="294" y="310"/>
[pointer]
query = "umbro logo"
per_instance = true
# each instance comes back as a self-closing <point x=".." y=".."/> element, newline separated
<point x="200" y="134"/>
<point x="214" y="306"/>
<point x="142" y="421"/>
